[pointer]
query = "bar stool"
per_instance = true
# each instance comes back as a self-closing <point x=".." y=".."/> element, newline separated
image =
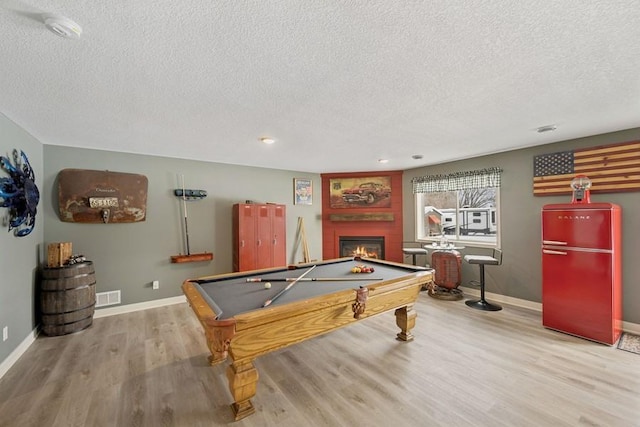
<point x="415" y="252"/>
<point x="482" y="260"/>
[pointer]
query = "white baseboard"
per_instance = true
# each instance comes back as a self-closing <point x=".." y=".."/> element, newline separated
<point x="504" y="299"/>
<point x="633" y="328"/>
<point x="101" y="312"/>
<point x="130" y="308"/>
<point x="18" y="352"/>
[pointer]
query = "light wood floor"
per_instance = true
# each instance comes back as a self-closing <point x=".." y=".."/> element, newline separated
<point x="464" y="368"/>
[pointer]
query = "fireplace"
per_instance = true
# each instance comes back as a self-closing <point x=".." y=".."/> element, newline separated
<point x="363" y="220"/>
<point x="364" y="246"/>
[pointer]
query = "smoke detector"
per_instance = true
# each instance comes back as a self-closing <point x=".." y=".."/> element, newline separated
<point x="62" y="26"/>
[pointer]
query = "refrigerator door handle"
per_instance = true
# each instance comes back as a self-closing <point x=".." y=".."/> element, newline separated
<point x="554" y="242"/>
<point x="548" y="251"/>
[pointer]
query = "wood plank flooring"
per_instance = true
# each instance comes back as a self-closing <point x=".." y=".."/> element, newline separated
<point x="464" y="368"/>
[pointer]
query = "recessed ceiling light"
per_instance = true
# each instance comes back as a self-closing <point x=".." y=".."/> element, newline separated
<point x="417" y="156"/>
<point x="547" y="128"/>
<point x="267" y="140"/>
<point x="383" y="160"/>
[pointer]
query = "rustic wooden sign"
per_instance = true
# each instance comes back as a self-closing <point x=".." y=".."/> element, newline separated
<point x="611" y="168"/>
<point x="95" y="196"/>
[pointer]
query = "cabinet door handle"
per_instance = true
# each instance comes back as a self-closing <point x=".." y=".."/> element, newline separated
<point x="259" y="242"/>
<point x="547" y="251"/>
<point x="554" y="242"/>
<point x="242" y="243"/>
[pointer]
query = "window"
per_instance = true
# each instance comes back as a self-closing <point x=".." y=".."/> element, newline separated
<point x="461" y="207"/>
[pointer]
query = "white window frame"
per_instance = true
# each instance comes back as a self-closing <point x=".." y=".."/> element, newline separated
<point x="457" y="238"/>
<point x="454" y="183"/>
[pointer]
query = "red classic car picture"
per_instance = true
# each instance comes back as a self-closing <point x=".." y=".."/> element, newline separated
<point x="367" y="192"/>
<point x="361" y="192"/>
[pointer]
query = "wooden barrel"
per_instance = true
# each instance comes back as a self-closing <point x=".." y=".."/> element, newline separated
<point x="68" y="298"/>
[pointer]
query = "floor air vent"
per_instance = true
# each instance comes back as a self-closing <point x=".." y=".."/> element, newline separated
<point x="107" y="298"/>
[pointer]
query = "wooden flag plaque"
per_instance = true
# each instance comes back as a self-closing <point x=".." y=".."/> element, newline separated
<point x="611" y="168"/>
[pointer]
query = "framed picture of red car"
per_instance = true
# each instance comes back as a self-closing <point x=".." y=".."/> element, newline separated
<point x="361" y="192"/>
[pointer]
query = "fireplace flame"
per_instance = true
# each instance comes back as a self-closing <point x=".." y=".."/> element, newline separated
<point x="361" y="251"/>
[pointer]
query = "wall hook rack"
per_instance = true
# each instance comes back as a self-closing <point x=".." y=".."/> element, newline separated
<point x="190" y="194"/>
<point x="185" y="195"/>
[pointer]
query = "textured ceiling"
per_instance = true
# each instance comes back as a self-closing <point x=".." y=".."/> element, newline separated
<point x="338" y="84"/>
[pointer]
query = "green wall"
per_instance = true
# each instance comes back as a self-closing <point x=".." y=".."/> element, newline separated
<point x="19" y="256"/>
<point x="130" y="256"/>
<point x="520" y="274"/>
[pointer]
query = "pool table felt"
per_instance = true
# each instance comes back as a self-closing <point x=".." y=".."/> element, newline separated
<point x="231" y="296"/>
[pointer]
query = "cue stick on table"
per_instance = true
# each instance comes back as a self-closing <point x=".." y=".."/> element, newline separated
<point x="311" y="279"/>
<point x="269" y="301"/>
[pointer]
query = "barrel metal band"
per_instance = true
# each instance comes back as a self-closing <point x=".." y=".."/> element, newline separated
<point x="68" y="289"/>
<point x="72" y="311"/>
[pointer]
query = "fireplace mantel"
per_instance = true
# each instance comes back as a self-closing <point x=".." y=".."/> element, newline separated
<point x="362" y="217"/>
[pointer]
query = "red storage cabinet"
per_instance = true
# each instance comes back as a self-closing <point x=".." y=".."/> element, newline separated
<point x="259" y="236"/>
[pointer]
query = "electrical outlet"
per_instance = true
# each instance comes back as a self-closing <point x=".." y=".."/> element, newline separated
<point x="156" y="284"/>
<point x="5" y="333"/>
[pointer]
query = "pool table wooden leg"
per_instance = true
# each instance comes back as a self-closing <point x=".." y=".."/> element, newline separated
<point x="406" y="320"/>
<point x="243" y="380"/>
<point x="218" y="340"/>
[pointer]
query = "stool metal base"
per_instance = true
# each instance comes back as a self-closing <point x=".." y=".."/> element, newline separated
<point x="483" y="305"/>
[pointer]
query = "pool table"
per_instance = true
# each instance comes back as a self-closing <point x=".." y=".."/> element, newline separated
<point x="322" y="296"/>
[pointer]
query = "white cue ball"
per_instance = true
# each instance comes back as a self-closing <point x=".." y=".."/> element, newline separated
<point x="267" y="285"/>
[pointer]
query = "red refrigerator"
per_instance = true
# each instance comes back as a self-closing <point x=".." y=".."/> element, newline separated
<point x="582" y="270"/>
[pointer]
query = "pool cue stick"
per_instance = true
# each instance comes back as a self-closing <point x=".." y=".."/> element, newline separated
<point x="311" y="279"/>
<point x="186" y="225"/>
<point x="305" y="245"/>
<point x="269" y="301"/>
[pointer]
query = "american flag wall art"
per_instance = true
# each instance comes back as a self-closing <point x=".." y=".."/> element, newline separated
<point x="611" y="168"/>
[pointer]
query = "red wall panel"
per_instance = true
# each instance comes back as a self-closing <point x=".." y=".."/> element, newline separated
<point x="362" y="213"/>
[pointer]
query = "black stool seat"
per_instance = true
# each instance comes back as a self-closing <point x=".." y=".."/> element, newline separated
<point x="415" y="252"/>
<point x="482" y="260"/>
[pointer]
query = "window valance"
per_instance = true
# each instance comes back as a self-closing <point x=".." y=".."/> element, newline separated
<point x="482" y="178"/>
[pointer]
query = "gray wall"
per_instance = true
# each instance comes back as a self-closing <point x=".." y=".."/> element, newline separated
<point x="520" y="274"/>
<point x="130" y="256"/>
<point x="19" y="256"/>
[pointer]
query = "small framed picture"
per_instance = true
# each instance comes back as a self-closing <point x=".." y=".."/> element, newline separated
<point x="302" y="191"/>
